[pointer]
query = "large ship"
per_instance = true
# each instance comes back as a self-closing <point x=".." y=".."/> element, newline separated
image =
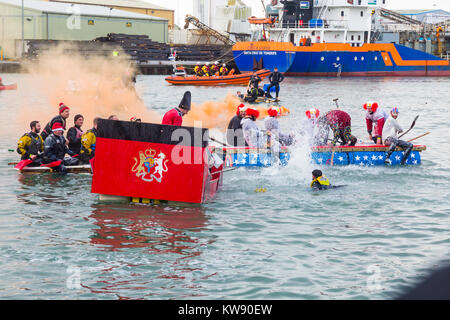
<point x="330" y="38"/>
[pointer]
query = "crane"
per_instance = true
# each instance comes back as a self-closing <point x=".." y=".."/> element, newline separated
<point x="208" y="31"/>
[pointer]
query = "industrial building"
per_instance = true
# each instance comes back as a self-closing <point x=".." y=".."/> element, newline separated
<point x="426" y="16"/>
<point x="44" y="20"/>
<point x="135" y="6"/>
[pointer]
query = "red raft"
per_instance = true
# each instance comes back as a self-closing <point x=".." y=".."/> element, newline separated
<point x="9" y="87"/>
<point x="153" y="163"/>
<point x="235" y="79"/>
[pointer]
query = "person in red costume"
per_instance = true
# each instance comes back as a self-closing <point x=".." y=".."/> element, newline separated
<point x="174" y="117"/>
<point x="377" y="116"/>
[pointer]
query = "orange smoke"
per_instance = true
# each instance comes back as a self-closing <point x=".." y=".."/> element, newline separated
<point x="93" y="87"/>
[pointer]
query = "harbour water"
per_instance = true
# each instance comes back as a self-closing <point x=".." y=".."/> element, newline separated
<point x="370" y="240"/>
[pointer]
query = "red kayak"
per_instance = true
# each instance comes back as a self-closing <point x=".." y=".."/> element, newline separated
<point x="9" y="87"/>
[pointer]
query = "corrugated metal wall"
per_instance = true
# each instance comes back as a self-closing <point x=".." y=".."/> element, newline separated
<point x="51" y="26"/>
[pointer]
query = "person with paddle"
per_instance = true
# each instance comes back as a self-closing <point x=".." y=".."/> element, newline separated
<point x="31" y="145"/>
<point x="235" y="136"/>
<point x="55" y="150"/>
<point x="390" y="137"/>
<point x="375" y="116"/>
<point x="64" y="113"/>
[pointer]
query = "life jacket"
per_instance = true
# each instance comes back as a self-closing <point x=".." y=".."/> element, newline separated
<point x="197" y="69"/>
<point x="322" y="180"/>
<point x="88" y="142"/>
<point x="31" y="148"/>
<point x="223" y="70"/>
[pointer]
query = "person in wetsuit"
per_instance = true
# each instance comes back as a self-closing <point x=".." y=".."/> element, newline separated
<point x="275" y="79"/>
<point x="55" y="149"/>
<point x="320" y="182"/>
<point x="74" y="134"/>
<point x="235" y="135"/>
<point x="64" y="113"/>
<point x="31" y="145"/>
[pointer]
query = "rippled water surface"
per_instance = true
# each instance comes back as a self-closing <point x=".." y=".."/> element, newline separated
<point x="367" y="241"/>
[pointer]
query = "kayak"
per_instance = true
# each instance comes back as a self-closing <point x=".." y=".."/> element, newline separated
<point x="364" y="155"/>
<point x="235" y="79"/>
<point x="9" y="87"/>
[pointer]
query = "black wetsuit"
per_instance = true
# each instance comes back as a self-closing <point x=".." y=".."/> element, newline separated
<point x="235" y="135"/>
<point x="252" y="95"/>
<point x="48" y="128"/>
<point x="74" y="136"/>
<point x="275" y="78"/>
<point x="55" y="149"/>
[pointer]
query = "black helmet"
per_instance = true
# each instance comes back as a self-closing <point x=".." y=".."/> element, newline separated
<point x="317" y="173"/>
<point x="186" y="101"/>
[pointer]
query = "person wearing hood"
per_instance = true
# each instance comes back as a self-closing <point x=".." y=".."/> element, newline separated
<point x="64" y="113"/>
<point x="252" y="134"/>
<point x="235" y="136"/>
<point x="175" y="116"/>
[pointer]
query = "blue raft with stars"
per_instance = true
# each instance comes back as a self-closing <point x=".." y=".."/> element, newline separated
<point x="372" y="155"/>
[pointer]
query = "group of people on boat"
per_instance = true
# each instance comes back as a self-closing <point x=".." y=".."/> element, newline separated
<point x="382" y="127"/>
<point x="49" y="147"/>
<point x="210" y="70"/>
<point x="254" y="92"/>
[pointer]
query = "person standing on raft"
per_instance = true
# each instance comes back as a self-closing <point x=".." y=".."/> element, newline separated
<point x="390" y="137"/>
<point x="64" y="113"/>
<point x="31" y="145"/>
<point x="175" y="116"/>
<point x="275" y="79"/>
<point x="74" y="134"/>
<point x="309" y="125"/>
<point x="377" y="116"/>
<point x="235" y="135"/>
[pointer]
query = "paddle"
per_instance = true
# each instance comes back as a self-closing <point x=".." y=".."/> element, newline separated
<point x="412" y="126"/>
<point x="228" y="170"/>
<point x="52" y="164"/>
<point x="423" y="135"/>
<point x="220" y="142"/>
<point x="22" y="164"/>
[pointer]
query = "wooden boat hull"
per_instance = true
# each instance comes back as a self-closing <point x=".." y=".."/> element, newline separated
<point x="237" y="79"/>
<point x="358" y="155"/>
<point x="9" y="87"/>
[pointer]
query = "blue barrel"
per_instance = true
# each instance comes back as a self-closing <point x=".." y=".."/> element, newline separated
<point x="267" y="86"/>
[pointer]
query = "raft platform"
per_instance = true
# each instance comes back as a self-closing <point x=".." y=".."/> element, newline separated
<point x="366" y="155"/>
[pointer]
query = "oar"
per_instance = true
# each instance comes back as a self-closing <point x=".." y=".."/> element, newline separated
<point x="332" y="156"/>
<point x="230" y="169"/>
<point x="423" y="135"/>
<point x="222" y="143"/>
<point x="412" y="126"/>
<point x="22" y="164"/>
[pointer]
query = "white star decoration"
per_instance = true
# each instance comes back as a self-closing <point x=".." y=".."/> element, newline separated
<point x="341" y="159"/>
<point x="320" y="160"/>
<point x="380" y="157"/>
<point x="374" y="157"/>
<point x="366" y="157"/>
<point x="413" y="155"/>
<point x="358" y="158"/>
<point x="397" y="158"/>
<point x="415" y="161"/>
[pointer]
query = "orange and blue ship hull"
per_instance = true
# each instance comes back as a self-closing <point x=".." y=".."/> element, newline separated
<point x="336" y="59"/>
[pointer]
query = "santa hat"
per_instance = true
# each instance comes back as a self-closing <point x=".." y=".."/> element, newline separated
<point x="273" y="111"/>
<point x="57" y="127"/>
<point x="62" y="107"/>
<point x="241" y="108"/>
<point x="252" y="112"/>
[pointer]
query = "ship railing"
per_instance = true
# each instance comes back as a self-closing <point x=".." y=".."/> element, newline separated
<point x="445" y="56"/>
<point x="318" y="24"/>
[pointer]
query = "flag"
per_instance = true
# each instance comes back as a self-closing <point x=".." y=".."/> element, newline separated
<point x="350" y="1"/>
